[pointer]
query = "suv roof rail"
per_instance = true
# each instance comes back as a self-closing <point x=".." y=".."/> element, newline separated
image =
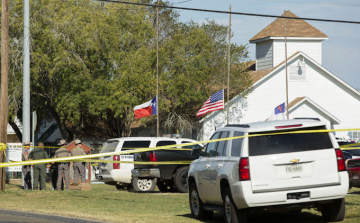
<point x="317" y="119"/>
<point x="237" y="125"/>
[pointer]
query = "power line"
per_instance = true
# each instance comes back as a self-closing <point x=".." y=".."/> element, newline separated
<point x="182" y="2"/>
<point x="322" y="3"/>
<point x="233" y="13"/>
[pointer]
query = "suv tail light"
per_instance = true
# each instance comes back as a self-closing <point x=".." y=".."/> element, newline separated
<point x="287" y="126"/>
<point x="116" y="165"/>
<point x="244" y="169"/>
<point x="340" y="160"/>
<point x="152" y="157"/>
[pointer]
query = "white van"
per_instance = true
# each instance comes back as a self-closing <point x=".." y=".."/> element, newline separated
<point x="119" y="174"/>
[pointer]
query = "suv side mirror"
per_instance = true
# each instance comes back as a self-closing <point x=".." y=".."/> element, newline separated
<point x="197" y="152"/>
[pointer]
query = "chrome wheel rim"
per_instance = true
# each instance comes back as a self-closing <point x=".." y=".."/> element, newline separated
<point x="144" y="184"/>
<point x="195" y="202"/>
<point x="227" y="208"/>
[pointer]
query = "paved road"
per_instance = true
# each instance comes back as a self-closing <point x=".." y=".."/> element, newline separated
<point x="18" y="216"/>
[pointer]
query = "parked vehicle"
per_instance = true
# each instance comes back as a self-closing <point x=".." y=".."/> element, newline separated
<point x="119" y="174"/>
<point x="353" y="169"/>
<point x="170" y="177"/>
<point x="273" y="172"/>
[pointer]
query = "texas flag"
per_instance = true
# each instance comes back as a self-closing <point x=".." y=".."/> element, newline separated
<point x="278" y="113"/>
<point x="146" y="109"/>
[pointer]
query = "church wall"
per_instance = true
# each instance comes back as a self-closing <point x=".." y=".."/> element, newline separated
<point x="311" y="48"/>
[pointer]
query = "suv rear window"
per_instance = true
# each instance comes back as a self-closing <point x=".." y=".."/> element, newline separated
<point x="110" y="146"/>
<point x="288" y="143"/>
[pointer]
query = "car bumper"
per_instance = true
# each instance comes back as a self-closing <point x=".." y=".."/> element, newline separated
<point x="150" y="173"/>
<point x="244" y="197"/>
<point x="122" y="176"/>
<point x="354" y="176"/>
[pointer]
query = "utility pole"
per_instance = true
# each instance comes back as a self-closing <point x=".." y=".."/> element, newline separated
<point x="26" y="78"/>
<point x="286" y="73"/>
<point x="4" y="84"/>
<point x="228" y="76"/>
<point x="157" y="69"/>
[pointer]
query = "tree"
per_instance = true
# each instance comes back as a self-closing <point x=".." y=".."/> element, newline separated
<point x="91" y="63"/>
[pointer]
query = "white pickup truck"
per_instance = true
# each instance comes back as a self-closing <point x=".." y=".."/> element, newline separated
<point x="270" y="170"/>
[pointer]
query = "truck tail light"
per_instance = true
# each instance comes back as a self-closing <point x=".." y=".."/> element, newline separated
<point x="116" y="165"/>
<point x="152" y="157"/>
<point x="244" y="169"/>
<point x="340" y="160"/>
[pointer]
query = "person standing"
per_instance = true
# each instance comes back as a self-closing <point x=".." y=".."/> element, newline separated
<point x="63" y="167"/>
<point x="26" y="168"/>
<point x="39" y="169"/>
<point x="79" y="167"/>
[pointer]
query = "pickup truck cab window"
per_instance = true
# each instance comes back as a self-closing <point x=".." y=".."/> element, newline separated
<point x="165" y="143"/>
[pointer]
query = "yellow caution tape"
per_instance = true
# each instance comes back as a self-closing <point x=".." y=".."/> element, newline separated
<point x="137" y="150"/>
<point x="139" y="162"/>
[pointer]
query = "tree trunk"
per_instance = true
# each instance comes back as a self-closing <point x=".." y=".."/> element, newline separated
<point x="16" y="129"/>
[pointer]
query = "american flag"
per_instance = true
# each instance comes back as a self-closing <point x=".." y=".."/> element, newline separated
<point x="214" y="103"/>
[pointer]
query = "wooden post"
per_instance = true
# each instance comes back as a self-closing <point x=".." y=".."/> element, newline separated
<point x="4" y="84"/>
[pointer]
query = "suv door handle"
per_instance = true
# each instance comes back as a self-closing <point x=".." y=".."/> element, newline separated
<point x="207" y="165"/>
<point x="219" y="165"/>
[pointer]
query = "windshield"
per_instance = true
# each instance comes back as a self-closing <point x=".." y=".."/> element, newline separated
<point x="288" y="143"/>
<point x="110" y="146"/>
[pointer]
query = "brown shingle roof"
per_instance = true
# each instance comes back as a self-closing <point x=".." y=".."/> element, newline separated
<point x="295" y="101"/>
<point x="294" y="28"/>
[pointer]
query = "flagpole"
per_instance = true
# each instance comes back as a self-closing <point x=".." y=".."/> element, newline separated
<point x="228" y="77"/>
<point x="157" y="69"/>
<point x="286" y="73"/>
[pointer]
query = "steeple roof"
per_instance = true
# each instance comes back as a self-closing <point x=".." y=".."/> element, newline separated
<point x="294" y="28"/>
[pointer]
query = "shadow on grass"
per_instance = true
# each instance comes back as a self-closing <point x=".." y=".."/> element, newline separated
<point x="269" y="217"/>
<point x="17" y="186"/>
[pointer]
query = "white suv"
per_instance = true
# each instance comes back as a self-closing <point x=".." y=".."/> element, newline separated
<point x="273" y="171"/>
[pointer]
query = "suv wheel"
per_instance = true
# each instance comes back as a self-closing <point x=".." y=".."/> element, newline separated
<point x="180" y="179"/>
<point x="231" y="213"/>
<point x="196" y="205"/>
<point x="143" y="185"/>
<point x="334" y="211"/>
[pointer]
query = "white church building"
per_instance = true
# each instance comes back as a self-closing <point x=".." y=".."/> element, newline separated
<point x="313" y="91"/>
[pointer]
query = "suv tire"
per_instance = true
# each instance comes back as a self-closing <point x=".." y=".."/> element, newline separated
<point x="196" y="205"/>
<point x="180" y="179"/>
<point x="143" y="185"/>
<point x="231" y="213"/>
<point x="334" y="211"/>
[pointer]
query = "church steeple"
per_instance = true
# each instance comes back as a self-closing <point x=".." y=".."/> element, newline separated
<point x="301" y="36"/>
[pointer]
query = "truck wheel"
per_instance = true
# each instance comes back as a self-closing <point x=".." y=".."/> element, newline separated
<point x="180" y="179"/>
<point x="196" y="205"/>
<point x="334" y="211"/>
<point x="143" y="185"/>
<point x="231" y="213"/>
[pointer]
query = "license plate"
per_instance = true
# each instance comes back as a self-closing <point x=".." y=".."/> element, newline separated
<point x="355" y="176"/>
<point x="127" y="158"/>
<point x="294" y="168"/>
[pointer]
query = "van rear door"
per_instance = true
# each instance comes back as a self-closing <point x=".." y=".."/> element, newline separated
<point x="292" y="161"/>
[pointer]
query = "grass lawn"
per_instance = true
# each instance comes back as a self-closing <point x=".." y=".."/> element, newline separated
<point x="106" y="203"/>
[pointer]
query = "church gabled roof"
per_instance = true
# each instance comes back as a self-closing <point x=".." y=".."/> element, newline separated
<point x="294" y="28"/>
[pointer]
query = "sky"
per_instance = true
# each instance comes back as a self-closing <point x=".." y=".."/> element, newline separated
<point x="341" y="51"/>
